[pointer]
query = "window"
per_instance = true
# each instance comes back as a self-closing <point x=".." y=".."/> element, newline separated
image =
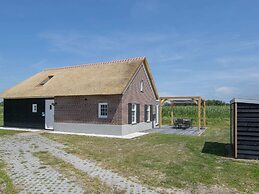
<point x="134" y="114"/>
<point x="46" y="80"/>
<point x="142" y="86"/>
<point x="148" y="113"/>
<point x="34" y="108"/>
<point x="103" y="110"/>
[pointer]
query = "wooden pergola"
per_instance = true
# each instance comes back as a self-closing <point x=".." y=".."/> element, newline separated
<point x="201" y="102"/>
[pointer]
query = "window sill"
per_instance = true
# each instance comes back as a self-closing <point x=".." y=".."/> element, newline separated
<point x="102" y="117"/>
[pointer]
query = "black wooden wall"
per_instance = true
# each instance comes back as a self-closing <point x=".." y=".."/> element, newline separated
<point x="248" y="131"/>
<point x="18" y="113"/>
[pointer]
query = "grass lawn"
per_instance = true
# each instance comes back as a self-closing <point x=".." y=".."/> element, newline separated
<point x="172" y="160"/>
<point x="6" y="185"/>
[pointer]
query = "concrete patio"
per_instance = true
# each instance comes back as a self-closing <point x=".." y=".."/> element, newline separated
<point x="166" y="129"/>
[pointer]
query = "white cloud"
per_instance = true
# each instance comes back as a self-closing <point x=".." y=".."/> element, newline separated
<point x="237" y="59"/>
<point x="77" y="43"/>
<point x="164" y="93"/>
<point x="225" y="90"/>
<point x="174" y="57"/>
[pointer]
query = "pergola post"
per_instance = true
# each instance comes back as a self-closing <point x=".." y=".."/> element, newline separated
<point x="204" y="113"/>
<point x="200" y="102"/>
<point x="172" y="115"/>
<point x="161" y="101"/>
<point x="199" y="113"/>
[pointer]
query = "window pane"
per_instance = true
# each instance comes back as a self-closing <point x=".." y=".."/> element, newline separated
<point x="103" y="110"/>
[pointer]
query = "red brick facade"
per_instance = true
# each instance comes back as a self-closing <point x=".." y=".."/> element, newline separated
<point x="84" y="109"/>
<point x="134" y="95"/>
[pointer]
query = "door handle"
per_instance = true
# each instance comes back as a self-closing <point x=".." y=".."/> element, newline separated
<point x="43" y="114"/>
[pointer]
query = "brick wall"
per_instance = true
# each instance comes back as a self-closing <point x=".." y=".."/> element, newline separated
<point x="84" y="109"/>
<point x="134" y="95"/>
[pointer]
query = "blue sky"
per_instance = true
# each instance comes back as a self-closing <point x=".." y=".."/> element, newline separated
<point x="201" y="47"/>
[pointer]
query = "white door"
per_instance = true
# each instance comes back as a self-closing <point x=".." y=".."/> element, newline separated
<point x="49" y="114"/>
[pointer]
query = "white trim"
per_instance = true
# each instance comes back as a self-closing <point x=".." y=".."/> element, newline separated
<point x="249" y="101"/>
<point x="34" y="108"/>
<point x="135" y="114"/>
<point x="148" y="113"/>
<point x="142" y="85"/>
<point x="99" y="110"/>
<point x="157" y="114"/>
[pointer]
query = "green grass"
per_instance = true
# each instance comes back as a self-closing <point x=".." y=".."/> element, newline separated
<point x="6" y="185"/>
<point x="7" y="132"/>
<point x="172" y="160"/>
<point x="167" y="160"/>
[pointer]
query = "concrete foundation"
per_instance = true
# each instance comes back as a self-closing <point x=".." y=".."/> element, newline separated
<point x="102" y="129"/>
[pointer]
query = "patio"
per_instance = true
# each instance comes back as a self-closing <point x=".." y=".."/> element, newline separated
<point x="166" y="129"/>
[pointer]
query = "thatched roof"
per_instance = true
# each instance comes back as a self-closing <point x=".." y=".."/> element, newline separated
<point x="106" y="78"/>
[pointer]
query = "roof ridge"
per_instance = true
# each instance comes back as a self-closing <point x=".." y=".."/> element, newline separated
<point x="98" y="63"/>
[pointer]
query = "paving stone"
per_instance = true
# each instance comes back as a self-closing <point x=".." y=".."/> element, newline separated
<point x="30" y="174"/>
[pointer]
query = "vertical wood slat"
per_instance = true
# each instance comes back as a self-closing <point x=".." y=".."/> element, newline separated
<point x="235" y="128"/>
<point x="232" y="128"/>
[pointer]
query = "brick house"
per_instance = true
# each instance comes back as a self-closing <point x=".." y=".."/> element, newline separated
<point x="114" y="98"/>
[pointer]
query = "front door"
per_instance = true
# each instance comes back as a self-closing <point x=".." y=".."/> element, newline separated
<point x="49" y="114"/>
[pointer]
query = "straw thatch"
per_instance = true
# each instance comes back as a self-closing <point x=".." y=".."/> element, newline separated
<point x="106" y="78"/>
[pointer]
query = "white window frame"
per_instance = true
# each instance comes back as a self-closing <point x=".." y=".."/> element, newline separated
<point x="148" y="113"/>
<point x="142" y="86"/>
<point x="157" y="114"/>
<point x="134" y="114"/>
<point x="100" y="110"/>
<point x="34" y="108"/>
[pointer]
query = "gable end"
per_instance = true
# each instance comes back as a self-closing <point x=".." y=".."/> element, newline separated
<point x="149" y="79"/>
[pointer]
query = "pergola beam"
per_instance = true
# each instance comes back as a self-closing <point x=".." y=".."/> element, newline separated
<point x="201" y="102"/>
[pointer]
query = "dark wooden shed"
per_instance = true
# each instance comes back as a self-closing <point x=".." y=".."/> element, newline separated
<point x="244" y="132"/>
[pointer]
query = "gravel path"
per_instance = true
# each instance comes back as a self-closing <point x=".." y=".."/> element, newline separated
<point x="32" y="176"/>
